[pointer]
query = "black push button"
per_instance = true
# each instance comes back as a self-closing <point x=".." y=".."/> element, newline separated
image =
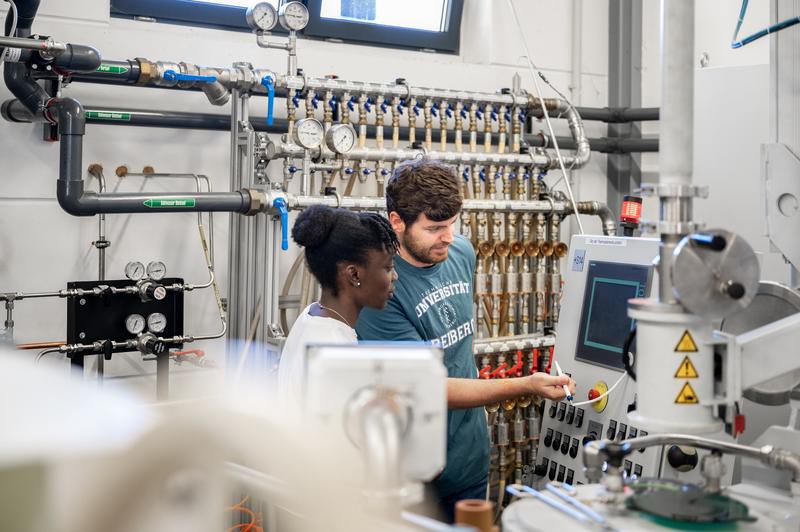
<point x="561" y="472"/>
<point x="552" y="474"/>
<point x="562" y="410"/>
<point x="570" y="414"/>
<point x="573" y="450"/>
<point x="548" y="437"/>
<point x="553" y="408"/>
<point x="557" y="441"/>
<point x="579" y="418"/>
<point x="637" y="470"/>
<point x="570" y="476"/>
<point x="565" y="445"/>
<point x="632" y="432"/>
<point x="612" y="430"/>
<point x="623" y="430"/>
<point x="628" y="466"/>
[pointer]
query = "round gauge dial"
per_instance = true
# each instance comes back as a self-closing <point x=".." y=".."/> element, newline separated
<point x="134" y="323"/>
<point x="293" y="16"/>
<point x="156" y="322"/>
<point x="308" y="133"/>
<point x="156" y="270"/>
<point x="341" y="138"/>
<point x="159" y="293"/>
<point x="134" y="271"/>
<point x="261" y="16"/>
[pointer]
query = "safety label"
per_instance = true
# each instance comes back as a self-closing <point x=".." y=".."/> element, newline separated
<point x="162" y="203"/>
<point x="112" y="69"/>
<point x="686" y="396"/>
<point x="686" y="370"/>
<point x="686" y="343"/>
<point x="102" y="115"/>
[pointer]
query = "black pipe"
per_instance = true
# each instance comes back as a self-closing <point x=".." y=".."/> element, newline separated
<point x="71" y="119"/>
<point x="112" y="72"/>
<point x="617" y="115"/>
<point x="77" y="58"/>
<point x="218" y="122"/>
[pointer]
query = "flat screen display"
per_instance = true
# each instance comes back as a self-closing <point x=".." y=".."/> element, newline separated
<point x="605" y="324"/>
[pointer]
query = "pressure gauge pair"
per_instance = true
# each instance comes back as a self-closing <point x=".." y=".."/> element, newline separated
<point x="156" y="270"/>
<point x="309" y="134"/>
<point x="262" y="16"/>
<point x="156" y="323"/>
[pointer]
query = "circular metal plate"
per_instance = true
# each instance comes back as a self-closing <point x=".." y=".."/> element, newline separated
<point x="772" y="302"/>
<point x="699" y="274"/>
<point x="682" y="503"/>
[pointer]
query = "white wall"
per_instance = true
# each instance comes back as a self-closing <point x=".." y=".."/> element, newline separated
<point x="41" y="247"/>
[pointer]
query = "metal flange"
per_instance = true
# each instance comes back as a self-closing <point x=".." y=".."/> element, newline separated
<point x="671" y="228"/>
<point x="674" y="191"/>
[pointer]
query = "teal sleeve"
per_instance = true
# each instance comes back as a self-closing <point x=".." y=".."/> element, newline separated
<point x="389" y="324"/>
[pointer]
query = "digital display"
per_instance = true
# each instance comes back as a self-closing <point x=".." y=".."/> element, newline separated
<point x="428" y="15"/>
<point x="605" y="324"/>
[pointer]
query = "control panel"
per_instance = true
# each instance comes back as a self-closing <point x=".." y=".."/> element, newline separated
<point x="601" y="275"/>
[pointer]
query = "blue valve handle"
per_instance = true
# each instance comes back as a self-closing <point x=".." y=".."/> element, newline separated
<point x="315" y="102"/>
<point x="464" y="113"/>
<point x="280" y="204"/>
<point x="351" y="103"/>
<point x="416" y="110"/>
<point x="269" y="84"/>
<point x="171" y="75"/>
<point x="434" y="112"/>
<point x="478" y="114"/>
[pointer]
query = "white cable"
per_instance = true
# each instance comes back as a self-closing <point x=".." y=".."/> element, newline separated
<point x="13" y="30"/>
<point x="582" y="403"/>
<point x="533" y="70"/>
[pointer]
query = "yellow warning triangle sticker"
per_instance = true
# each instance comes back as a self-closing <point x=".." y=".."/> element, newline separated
<point x="686" y="370"/>
<point x="686" y="343"/>
<point x="686" y="396"/>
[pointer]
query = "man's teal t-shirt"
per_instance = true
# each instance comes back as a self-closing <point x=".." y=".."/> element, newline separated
<point x="435" y="304"/>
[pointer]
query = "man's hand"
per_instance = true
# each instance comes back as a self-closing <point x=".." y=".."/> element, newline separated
<point x="549" y="386"/>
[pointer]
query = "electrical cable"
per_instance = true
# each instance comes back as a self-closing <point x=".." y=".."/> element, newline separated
<point x="599" y="397"/>
<point x="761" y="33"/>
<point x="13" y="8"/>
<point x="534" y="69"/>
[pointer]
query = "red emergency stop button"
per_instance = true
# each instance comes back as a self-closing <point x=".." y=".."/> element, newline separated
<point x="593" y="394"/>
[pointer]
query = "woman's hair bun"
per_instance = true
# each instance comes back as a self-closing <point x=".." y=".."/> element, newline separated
<point x="314" y="226"/>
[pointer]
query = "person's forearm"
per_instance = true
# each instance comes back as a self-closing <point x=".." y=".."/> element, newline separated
<point x="469" y="393"/>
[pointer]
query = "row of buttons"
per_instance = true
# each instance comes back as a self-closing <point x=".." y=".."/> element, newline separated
<point x="567" y="413"/>
<point x="632" y="469"/>
<point x="556" y="472"/>
<point x="623" y="433"/>
<point x="557" y="441"/>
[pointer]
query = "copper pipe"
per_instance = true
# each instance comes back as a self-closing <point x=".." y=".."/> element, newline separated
<point x="40" y="345"/>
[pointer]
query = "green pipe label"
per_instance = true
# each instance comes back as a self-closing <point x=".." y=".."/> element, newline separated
<point x="112" y="69"/>
<point x="161" y="203"/>
<point x="102" y="115"/>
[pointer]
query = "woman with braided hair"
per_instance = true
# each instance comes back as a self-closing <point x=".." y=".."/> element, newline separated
<point x="351" y="255"/>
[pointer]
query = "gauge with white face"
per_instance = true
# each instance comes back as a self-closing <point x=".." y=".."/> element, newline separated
<point x="156" y="322"/>
<point x="308" y="133"/>
<point x="293" y="16"/>
<point x="261" y="16"/>
<point x="134" y="323"/>
<point x="156" y="270"/>
<point x="340" y="138"/>
<point x="134" y="271"/>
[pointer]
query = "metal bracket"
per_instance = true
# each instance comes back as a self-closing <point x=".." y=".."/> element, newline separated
<point x="671" y="228"/>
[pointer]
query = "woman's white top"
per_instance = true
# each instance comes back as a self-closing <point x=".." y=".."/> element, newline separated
<point x="307" y="329"/>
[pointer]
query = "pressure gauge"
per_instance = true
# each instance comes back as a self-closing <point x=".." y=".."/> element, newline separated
<point x="293" y="16"/>
<point x="156" y="270"/>
<point x="134" y="271"/>
<point x="156" y="322"/>
<point x="134" y="323"/>
<point x="261" y="16"/>
<point x="308" y="133"/>
<point x="340" y="138"/>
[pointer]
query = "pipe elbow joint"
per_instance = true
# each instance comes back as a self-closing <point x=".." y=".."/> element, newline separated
<point x="72" y="199"/>
<point x="79" y="58"/>
<point x="69" y="115"/>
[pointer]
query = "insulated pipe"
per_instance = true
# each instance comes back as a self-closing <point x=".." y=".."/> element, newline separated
<point x="611" y="115"/>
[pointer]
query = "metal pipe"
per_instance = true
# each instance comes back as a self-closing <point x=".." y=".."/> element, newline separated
<point x="603" y="212"/>
<point x="49" y="45"/>
<point x="611" y="115"/>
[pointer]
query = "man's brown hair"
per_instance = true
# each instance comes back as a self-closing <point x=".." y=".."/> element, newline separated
<point x="423" y="186"/>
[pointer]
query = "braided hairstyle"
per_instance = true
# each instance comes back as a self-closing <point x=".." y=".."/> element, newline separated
<point x="331" y="236"/>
